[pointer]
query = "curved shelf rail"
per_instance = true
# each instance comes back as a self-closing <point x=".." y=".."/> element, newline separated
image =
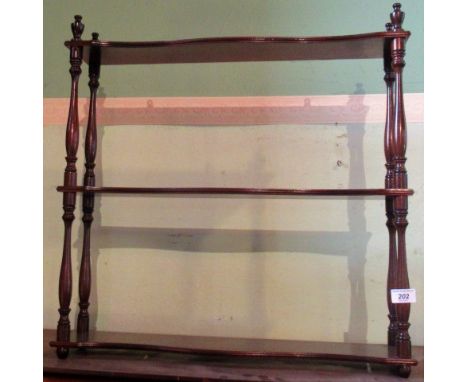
<point x="239" y="49"/>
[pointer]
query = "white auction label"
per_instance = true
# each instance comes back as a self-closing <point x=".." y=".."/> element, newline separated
<point x="403" y="296"/>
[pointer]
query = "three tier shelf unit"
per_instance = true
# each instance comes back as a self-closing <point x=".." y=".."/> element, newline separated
<point x="388" y="45"/>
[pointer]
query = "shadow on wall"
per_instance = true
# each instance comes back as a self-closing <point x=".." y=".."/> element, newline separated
<point x="352" y="244"/>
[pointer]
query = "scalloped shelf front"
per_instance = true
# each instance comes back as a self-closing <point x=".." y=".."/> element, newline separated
<point x="240" y="49"/>
<point x="335" y="351"/>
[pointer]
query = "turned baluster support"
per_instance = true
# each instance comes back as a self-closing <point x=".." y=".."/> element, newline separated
<point x="403" y="341"/>
<point x="389" y="183"/>
<point x="69" y="198"/>
<point x="88" y="198"/>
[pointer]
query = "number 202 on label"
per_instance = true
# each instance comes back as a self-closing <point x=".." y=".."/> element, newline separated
<point x="403" y="296"/>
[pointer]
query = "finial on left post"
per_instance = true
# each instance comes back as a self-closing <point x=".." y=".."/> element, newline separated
<point x="77" y="27"/>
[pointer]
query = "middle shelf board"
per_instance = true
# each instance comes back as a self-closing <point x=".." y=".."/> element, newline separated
<point x="241" y="191"/>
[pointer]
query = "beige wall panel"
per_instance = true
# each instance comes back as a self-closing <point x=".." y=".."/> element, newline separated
<point x="306" y="268"/>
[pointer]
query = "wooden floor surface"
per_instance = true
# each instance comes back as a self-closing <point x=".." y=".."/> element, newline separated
<point x="116" y="365"/>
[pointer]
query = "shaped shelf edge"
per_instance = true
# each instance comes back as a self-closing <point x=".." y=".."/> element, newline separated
<point x="240" y="49"/>
<point x="241" y="191"/>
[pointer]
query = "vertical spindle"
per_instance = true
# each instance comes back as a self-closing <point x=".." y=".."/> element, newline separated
<point x="403" y="341"/>
<point x="69" y="198"/>
<point x="88" y="198"/>
<point x="389" y="183"/>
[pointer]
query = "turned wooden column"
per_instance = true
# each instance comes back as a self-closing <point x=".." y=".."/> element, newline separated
<point x="389" y="183"/>
<point x="69" y="198"/>
<point x="403" y="341"/>
<point x="88" y="198"/>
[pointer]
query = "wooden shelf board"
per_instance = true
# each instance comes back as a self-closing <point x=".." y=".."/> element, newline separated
<point x="244" y="49"/>
<point x="240" y="191"/>
<point x="246" y="347"/>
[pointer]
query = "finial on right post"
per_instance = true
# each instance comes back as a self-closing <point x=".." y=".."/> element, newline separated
<point x="397" y="17"/>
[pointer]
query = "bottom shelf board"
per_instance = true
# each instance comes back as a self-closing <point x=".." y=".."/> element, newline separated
<point x="218" y="346"/>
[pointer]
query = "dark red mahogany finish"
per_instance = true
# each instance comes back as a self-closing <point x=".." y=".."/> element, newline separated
<point x="69" y="198"/>
<point x="388" y="148"/>
<point x="239" y="191"/>
<point x="232" y="49"/>
<point x="389" y="45"/>
<point x="400" y="180"/>
<point x="88" y="198"/>
<point x="241" y="347"/>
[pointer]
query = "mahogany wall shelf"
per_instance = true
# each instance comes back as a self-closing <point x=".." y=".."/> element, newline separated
<point x="388" y="46"/>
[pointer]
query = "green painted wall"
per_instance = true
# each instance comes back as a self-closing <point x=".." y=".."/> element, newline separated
<point x="146" y="20"/>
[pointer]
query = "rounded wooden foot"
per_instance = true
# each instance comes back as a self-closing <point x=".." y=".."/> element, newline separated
<point x="403" y="371"/>
<point x="62" y="353"/>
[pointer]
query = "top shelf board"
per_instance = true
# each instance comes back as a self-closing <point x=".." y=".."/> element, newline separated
<point x="240" y="49"/>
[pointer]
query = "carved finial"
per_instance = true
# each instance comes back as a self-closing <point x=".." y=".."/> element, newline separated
<point x="95" y="36"/>
<point x="77" y="27"/>
<point x="389" y="27"/>
<point x="397" y="17"/>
